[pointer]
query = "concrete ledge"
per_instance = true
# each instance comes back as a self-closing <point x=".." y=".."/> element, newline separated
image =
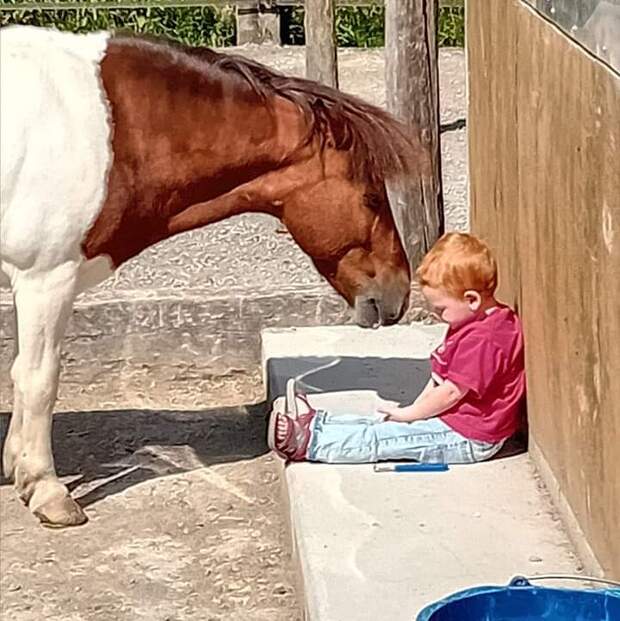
<point x="141" y="339"/>
<point x="380" y="546"/>
<point x="375" y="546"/>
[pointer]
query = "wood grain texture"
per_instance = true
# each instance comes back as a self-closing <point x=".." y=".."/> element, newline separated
<point x="544" y="123"/>
<point x="257" y="22"/>
<point x="321" y="55"/>
<point x="412" y="94"/>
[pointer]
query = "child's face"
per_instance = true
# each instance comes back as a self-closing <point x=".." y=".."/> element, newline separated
<point x="453" y="310"/>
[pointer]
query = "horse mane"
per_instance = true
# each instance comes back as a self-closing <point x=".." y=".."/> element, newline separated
<point x="380" y="146"/>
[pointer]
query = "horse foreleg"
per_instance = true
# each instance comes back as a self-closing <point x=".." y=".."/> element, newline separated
<point x="43" y="303"/>
<point x="12" y="442"/>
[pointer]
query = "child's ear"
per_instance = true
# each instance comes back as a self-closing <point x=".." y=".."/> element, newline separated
<point x="473" y="298"/>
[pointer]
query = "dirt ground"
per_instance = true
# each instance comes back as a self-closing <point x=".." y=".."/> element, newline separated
<point x="186" y="520"/>
<point x="185" y="523"/>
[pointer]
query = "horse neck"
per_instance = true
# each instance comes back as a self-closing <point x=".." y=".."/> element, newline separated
<point x="188" y="134"/>
<point x="185" y="146"/>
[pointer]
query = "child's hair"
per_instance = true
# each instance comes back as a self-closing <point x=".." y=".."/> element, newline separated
<point x="459" y="262"/>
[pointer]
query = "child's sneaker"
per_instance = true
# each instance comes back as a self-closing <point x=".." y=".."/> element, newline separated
<point x="297" y="404"/>
<point x="289" y="424"/>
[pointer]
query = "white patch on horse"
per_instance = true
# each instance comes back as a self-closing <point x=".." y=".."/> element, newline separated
<point x="56" y="144"/>
<point x="56" y="154"/>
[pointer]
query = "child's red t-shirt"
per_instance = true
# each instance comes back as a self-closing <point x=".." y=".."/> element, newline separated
<point x="485" y="356"/>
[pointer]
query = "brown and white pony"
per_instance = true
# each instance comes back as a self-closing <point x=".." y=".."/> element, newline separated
<point x="110" y="145"/>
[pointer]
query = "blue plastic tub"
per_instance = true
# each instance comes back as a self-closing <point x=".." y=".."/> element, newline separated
<point x="521" y="601"/>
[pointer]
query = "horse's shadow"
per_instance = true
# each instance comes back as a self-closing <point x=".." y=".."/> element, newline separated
<point x="102" y="453"/>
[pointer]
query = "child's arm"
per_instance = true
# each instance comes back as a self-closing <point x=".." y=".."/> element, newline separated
<point x="429" y="386"/>
<point x="437" y="400"/>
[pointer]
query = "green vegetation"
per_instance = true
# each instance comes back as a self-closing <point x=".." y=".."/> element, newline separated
<point x="204" y="25"/>
<point x="452" y="27"/>
<point x="201" y="25"/>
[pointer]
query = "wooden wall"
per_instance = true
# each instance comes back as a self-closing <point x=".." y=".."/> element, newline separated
<point x="544" y="152"/>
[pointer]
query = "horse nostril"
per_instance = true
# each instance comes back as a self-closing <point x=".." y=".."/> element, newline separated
<point x="393" y="316"/>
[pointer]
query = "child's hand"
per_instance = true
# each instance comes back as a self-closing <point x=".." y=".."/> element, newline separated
<point x="396" y="413"/>
<point x="385" y="404"/>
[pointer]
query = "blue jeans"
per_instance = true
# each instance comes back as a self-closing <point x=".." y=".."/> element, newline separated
<point x="351" y="439"/>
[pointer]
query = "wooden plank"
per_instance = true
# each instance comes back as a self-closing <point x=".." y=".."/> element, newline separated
<point x="413" y="95"/>
<point x="248" y="28"/>
<point x="493" y="146"/>
<point x="570" y="215"/>
<point x="258" y="22"/>
<point x="270" y="22"/>
<point x="321" y="54"/>
<point x="544" y="191"/>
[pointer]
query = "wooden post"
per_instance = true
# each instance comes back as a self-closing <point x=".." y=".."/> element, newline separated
<point x="258" y="22"/>
<point x="413" y="96"/>
<point x="321" y="54"/>
<point x="269" y="18"/>
<point x="248" y="30"/>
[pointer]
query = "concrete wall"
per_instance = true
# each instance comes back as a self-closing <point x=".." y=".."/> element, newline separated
<point x="544" y="132"/>
<point x="168" y="350"/>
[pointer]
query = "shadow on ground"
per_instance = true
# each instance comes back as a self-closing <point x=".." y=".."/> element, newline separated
<point x="105" y="452"/>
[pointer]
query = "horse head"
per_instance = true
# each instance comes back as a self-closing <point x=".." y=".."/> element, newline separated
<point x="350" y="233"/>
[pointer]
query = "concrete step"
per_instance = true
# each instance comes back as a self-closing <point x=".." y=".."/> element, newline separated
<point x="134" y="341"/>
<point x="373" y="545"/>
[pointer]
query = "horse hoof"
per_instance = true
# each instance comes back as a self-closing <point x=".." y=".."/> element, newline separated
<point x="60" y="512"/>
<point x="8" y="467"/>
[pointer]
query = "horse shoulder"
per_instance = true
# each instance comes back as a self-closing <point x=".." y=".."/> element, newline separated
<point x="56" y="139"/>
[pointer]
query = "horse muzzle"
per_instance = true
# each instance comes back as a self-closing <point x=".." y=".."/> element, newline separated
<point x="372" y="311"/>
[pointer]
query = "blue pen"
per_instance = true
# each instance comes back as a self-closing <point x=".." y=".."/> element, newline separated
<point x="410" y="467"/>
